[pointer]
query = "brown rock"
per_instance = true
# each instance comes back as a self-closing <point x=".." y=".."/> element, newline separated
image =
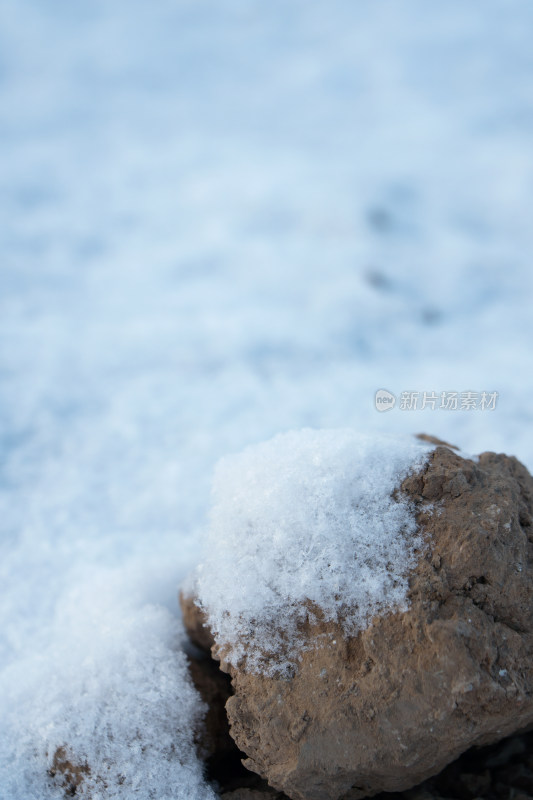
<point x="214" y="687"/>
<point x="195" y="623"/>
<point x="222" y="757"/>
<point x="213" y="739"/>
<point x="386" y="709"/>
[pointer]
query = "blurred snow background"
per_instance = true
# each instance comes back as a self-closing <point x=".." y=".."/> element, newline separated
<point x="219" y="221"/>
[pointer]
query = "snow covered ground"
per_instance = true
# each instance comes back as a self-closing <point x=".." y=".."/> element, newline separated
<point x="219" y="221"/>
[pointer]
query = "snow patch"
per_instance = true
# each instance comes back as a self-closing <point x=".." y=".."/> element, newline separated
<point x="111" y="694"/>
<point x="307" y="524"/>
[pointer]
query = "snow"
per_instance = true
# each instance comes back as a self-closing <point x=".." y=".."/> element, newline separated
<point x="220" y="221"/>
<point x="113" y="690"/>
<point x="306" y="525"/>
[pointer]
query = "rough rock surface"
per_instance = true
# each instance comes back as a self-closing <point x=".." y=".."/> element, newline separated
<point x="394" y="705"/>
<point x="499" y="772"/>
<point x="195" y="623"/>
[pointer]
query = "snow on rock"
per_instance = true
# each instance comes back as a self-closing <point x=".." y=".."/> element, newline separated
<point x="306" y="525"/>
<point x="389" y="707"/>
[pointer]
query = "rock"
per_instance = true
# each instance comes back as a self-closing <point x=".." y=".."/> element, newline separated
<point x="391" y="706"/>
<point x="253" y="794"/>
<point x="195" y="622"/>
<point x="214" y="742"/>
<point x="499" y="771"/>
<point x="223" y="759"/>
<point x="66" y="774"/>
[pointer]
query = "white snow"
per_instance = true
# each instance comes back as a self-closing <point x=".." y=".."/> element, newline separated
<point x="113" y="689"/>
<point x="308" y="516"/>
<point x="219" y="221"/>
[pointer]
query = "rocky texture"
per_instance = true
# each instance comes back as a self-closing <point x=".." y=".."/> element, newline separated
<point x="386" y="709"/>
<point x="66" y="774"/>
<point x="195" y="623"/>
<point x="223" y="759"/>
<point x="214" y="743"/>
<point x="500" y="772"/>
